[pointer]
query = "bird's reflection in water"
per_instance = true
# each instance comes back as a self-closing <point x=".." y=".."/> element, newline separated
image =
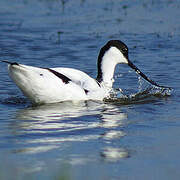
<point x="66" y="116"/>
<point x="47" y="127"/>
<point x="111" y="121"/>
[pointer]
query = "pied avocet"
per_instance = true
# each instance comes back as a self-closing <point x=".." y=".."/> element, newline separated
<point x="50" y="85"/>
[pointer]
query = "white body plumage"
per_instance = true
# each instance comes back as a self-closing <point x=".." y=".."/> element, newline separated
<point x="42" y="86"/>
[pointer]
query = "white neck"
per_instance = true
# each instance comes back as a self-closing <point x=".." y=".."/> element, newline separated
<point x="108" y="63"/>
<point x="108" y="67"/>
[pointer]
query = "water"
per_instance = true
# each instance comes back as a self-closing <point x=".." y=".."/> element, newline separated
<point x="127" y="139"/>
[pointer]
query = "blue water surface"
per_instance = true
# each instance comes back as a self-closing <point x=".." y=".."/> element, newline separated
<point x="91" y="140"/>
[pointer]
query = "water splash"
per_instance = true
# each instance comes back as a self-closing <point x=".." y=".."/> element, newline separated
<point x="145" y="93"/>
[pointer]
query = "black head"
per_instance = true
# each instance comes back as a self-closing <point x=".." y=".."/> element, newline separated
<point x="114" y="43"/>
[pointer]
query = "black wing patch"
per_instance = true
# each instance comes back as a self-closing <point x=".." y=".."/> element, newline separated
<point x="64" y="78"/>
<point x="86" y="91"/>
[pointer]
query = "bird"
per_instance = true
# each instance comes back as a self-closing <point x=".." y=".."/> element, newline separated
<point x="51" y="85"/>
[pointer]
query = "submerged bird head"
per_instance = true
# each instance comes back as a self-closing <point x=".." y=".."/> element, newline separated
<point x="112" y="53"/>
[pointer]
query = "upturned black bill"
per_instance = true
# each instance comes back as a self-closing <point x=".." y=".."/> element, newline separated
<point x="144" y="76"/>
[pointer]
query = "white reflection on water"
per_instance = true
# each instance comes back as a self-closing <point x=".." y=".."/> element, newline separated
<point x="61" y="116"/>
<point x="113" y="119"/>
<point x="114" y="154"/>
<point x="47" y="127"/>
<point x="58" y="111"/>
<point x="113" y="134"/>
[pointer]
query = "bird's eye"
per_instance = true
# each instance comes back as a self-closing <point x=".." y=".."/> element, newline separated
<point x="124" y="49"/>
<point x="41" y="74"/>
<point x="125" y="52"/>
